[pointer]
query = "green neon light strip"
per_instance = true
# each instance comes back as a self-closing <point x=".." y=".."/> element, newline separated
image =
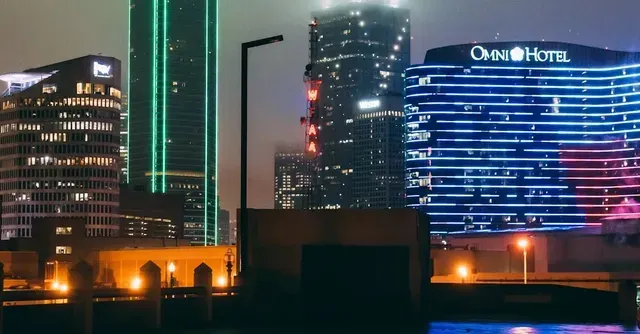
<point x="165" y="27"/>
<point x="215" y="164"/>
<point x="206" y="121"/>
<point x="154" y="100"/>
<point x="128" y="95"/>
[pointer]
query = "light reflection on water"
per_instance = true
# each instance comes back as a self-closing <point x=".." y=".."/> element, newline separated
<point x="513" y="328"/>
<point x="463" y="327"/>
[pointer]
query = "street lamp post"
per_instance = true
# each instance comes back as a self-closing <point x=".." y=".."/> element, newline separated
<point x="523" y="243"/>
<point x="243" y="142"/>
<point x="229" y="258"/>
<point x="172" y="269"/>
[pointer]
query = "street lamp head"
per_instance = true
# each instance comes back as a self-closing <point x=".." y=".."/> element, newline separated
<point x="229" y="256"/>
<point x="172" y="267"/>
<point x="523" y="243"/>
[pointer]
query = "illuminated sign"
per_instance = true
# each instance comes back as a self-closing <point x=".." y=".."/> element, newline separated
<point x="369" y="104"/>
<point x="519" y="54"/>
<point x="102" y="70"/>
<point x="312" y="94"/>
<point x="312" y="148"/>
<point x="312" y="130"/>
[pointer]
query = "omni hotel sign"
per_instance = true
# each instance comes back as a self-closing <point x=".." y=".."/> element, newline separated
<point x="519" y="54"/>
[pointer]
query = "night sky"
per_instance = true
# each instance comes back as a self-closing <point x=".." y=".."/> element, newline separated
<point x="38" y="32"/>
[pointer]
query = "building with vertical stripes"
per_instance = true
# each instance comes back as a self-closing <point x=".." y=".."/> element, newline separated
<point x="172" y="116"/>
<point x="523" y="134"/>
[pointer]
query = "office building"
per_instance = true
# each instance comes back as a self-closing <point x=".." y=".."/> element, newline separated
<point x="223" y="227"/>
<point x="172" y="106"/>
<point x="363" y="51"/>
<point x="59" y="145"/>
<point x="523" y="134"/>
<point x="292" y="182"/>
<point x="378" y="148"/>
<point x="144" y="214"/>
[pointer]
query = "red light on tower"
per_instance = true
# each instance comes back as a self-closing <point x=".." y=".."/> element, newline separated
<point x="312" y="94"/>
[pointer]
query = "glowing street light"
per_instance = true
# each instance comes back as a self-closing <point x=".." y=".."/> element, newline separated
<point x="172" y="269"/>
<point x="524" y="244"/>
<point x="222" y="281"/>
<point x="136" y="283"/>
<point x="463" y="272"/>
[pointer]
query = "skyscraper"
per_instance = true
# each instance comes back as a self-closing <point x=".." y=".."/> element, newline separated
<point x="378" y="145"/>
<point x="223" y="227"/>
<point x="363" y="52"/>
<point x="59" y="146"/>
<point x="172" y="106"/>
<point x="523" y="134"/>
<point x="292" y="183"/>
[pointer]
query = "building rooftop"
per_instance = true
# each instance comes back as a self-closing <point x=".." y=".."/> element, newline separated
<point x="19" y="81"/>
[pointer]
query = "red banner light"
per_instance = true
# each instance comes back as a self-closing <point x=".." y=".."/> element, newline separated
<point x="312" y="94"/>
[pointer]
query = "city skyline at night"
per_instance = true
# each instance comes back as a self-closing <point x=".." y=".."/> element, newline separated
<point x="276" y="118"/>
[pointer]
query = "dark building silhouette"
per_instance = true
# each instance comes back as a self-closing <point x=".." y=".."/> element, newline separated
<point x="151" y="215"/>
<point x="223" y="227"/>
<point x="172" y="104"/>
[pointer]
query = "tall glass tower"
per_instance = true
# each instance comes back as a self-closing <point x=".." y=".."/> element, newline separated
<point x="172" y="106"/>
<point x="363" y="51"/>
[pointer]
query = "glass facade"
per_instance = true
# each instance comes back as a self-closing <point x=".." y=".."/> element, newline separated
<point x="524" y="134"/>
<point x="363" y="50"/>
<point x="172" y="106"/>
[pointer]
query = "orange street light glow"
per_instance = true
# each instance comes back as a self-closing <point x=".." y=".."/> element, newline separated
<point x="523" y="243"/>
<point x="463" y="271"/>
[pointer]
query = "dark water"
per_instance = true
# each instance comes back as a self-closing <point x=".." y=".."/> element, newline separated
<point x="474" y="328"/>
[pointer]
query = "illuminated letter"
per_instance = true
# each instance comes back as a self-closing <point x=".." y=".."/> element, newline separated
<point x="312" y="94"/>
<point x="474" y="54"/>
<point x="312" y="130"/>
<point x="312" y="147"/>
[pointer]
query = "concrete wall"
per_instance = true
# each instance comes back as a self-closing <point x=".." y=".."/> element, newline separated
<point x="122" y="266"/>
<point x="276" y="238"/>
<point x="23" y="264"/>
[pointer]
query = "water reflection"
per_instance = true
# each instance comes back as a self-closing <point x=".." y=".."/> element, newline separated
<point x="514" y="328"/>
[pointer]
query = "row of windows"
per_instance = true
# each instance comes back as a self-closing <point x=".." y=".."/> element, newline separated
<point x="63" y="102"/>
<point x="81" y="172"/>
<point x="76" y="209"/>
<point x="74" y="161"/>
<point x="72" y="137"/>
<point x="60" y="197"/>
<point x="60" y="113"/>
<point x="84" y="184"/>
<point x="58" y="149"/>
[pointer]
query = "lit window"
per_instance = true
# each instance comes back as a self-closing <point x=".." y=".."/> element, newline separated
<point x="49" y="89"/>
<point x="63" y="231"/>
<point x="63" y="249"/>
<point x="99" y="89"/>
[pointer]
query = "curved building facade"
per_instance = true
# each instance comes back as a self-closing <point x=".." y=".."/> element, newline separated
<point x="59" y="146"/>
<point x="523" y="134"/>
